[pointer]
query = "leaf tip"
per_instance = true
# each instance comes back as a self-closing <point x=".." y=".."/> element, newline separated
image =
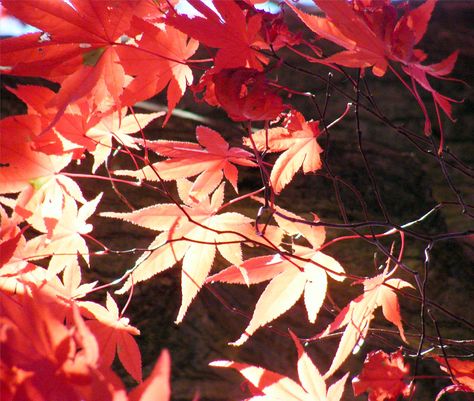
<point x="243" y="338"/>
<point x="220" y="364"/>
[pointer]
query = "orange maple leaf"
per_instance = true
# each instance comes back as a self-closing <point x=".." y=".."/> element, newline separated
<point x="157" y="385"/>
<point x="357" y="315"/>
<point x="211" y="160"/>
<point x="297" y="141"/>
<point x="290" y="277"/>
<point x="114" y="334"/>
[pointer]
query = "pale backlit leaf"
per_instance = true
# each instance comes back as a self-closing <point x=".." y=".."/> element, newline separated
<point x="279" y="296"/>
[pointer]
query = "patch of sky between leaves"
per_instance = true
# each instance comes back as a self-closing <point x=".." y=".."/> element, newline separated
<point x="183" y="7"/>
<point x="273" y="7"/>
<point x="12" y="27"/>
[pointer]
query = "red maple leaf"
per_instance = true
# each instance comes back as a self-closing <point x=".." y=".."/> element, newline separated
<point x="42" y="359"/>
<point x="372" y="36"/>
<point x="21" y="165"/>
<point x="81" y="127"/>
<point x="462" y="375"/>
<point x="277" y="33"/>
<point x="37" y="100"/>
<point x="245" y="95"/>
<point x="76" y="46"/>
<point x="383" y="377"/>
<point x="99" y="133"/>
<point x="10" y="237"/>
<point x="232" y="31"/>
<point x="81" y="46"/>
<point x="17" y="274"/>
<point x="156" y="60"/>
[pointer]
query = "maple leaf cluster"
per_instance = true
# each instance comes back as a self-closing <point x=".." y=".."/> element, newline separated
<point x="107" y="55"/>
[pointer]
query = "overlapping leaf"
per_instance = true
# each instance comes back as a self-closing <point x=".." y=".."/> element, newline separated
<point x="291" y="275"/>
<point x="66" y="241"/>
<point x="297" y="141"/>
<point x="67" y="362"/>
<point x="82" y="47"/>
<point x="211" y="160"/>
<point x="158" y="60"/>
<point x="364" y="47"/>
<point x="462" y="372"/>
<point x="272" y="386"/>
<point x="245" y="94"/>
<point x="379" y="291"/>
<point x="81" y="127"/>
<point x="17" y="274"/>
<point x="192" y="232"/>
<point x="44" y="358"/>
<point x="114" y="335"/>
<point x="20" y="163"/>
<point x="374" y="38"/>
<point x="70" y="34"/>
<point x="383" y="376"/>
<point x="115" y="126"/>
<point x="232" y="31"/>
<point x="76" y="46"/>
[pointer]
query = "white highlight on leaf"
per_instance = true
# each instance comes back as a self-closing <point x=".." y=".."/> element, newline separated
<point x="44" y="37"/>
